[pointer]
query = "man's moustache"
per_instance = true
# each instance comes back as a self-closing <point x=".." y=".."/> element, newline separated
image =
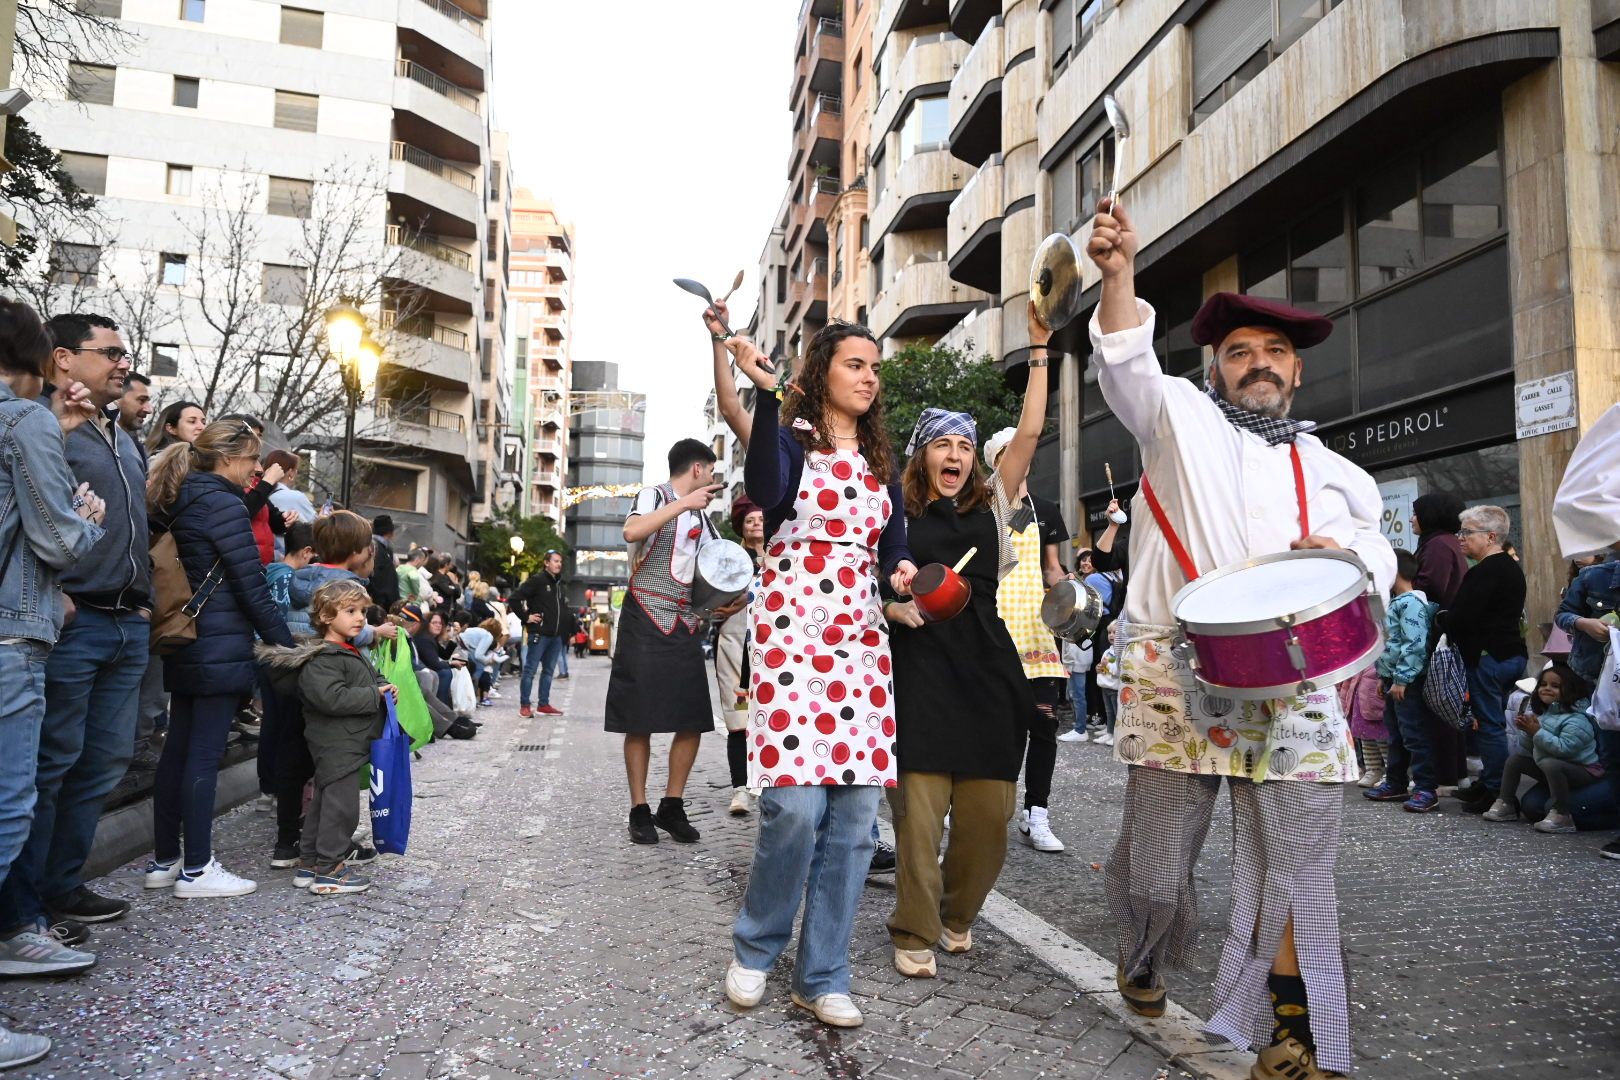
<point x="1260" y="376"/>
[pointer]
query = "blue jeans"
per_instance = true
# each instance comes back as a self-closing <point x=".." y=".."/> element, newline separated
<point x="1489" y="684"/>
<point x="562" y="657"/>
<point x="1609" y="754"/>
<point x="92" y="683"/>
<point x="446" y="676"/>
<point x="815" y="845"/>
<point x="540" y="656"/>
<point x="187" y="775"/>
<point x="22" y="711"/>
<point x="1077" y="698"/>
<point x="1409" y="755"/>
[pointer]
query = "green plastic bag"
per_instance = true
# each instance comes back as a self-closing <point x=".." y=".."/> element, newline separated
<point x="393" y="661"/>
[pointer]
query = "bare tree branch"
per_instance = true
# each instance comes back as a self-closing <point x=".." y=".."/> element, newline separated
<point x="51" y="34"/>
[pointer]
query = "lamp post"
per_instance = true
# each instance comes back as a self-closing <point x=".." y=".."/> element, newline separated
<point x="516" y="544"/>
<point x="358" y="358"/>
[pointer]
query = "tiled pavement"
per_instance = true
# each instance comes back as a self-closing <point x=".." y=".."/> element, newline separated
<point x="524" y="936"/>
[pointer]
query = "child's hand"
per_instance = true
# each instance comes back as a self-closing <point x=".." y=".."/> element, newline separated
<point x="387" y="691"/>
<point x="387" y="631"/>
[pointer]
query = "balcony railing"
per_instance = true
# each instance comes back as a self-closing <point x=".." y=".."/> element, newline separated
<point x="818" y="269"/>
<point x="421" y="415"/>
<point x="829" y="104"/>
<point x="419" y="326"/>
<point x="439" y="167"/>
<point x="838" y="275"/>
<point x="399" y="236"/>
<point x="830" y="27"/>
<point x="826" y="185"/>
<point x="464" y="19"/>
<point x="405" y="69"/>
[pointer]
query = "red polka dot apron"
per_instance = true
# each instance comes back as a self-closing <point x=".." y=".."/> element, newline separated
<point x="823" y="692"/>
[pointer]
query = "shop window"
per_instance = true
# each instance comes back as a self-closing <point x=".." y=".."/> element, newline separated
<point x="1388" y="243"/>
<point x="1462" y="189"/>
<point x="1444" y="329"/>
<point x="1180" y="305"/>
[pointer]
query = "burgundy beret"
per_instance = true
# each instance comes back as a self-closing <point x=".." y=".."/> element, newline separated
<point x="1225" y="312"/>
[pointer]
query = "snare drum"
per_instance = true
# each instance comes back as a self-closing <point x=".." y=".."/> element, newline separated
<point x="724" y="572"/>
<point x="1281" y="625"/>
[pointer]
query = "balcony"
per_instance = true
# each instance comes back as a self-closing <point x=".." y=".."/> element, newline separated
<point x="970" y="17"/>
<point x="974" y="230"/>
<point x="922" y="299"/>
<point x="548" y="478"/>
<point x="926" y="69"/>
<point x="975" y="110"/>
<point x="437" y="101"/>
<point x="422" y="426"/>
<point x="895" y="15"/>
<point x="816" y="291"/>
<point x="434" y="184"/>
<point x="550" y="355"/>
<point x="548" y="447"/>
<point x="465" y="20"/>
<point x="978" y="334"/>
<point x="820" y="139"/>
<point x="440" y="353"/>
<point x="450" y="26"/>
<point x="808" y="222"/>
<point x="443" y="270"/>
<point x="826" y="65"/>
<point x="920" y="196"/>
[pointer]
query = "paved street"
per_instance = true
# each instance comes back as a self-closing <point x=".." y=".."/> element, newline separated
<point x="524" y="936"/>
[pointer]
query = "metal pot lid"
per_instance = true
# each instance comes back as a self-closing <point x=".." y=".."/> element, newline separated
<point x="1054" y="282"/>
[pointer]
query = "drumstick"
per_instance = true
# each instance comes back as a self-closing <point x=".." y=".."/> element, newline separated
<point x="1108" y="471"/>
<point x="963" y="561"/>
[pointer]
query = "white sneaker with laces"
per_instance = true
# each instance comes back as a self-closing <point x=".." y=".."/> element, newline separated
<point x="264" y="804"/>
<point x="159" y="876"/>
<point x="17" y="1048"/>
<point x="1371" y="778"/>
<point x="1105" y="739"/>
<point x="1036" y="830"/>
<point x="741" y="803"/>
<point x="1555" y="822"/>
<point x="1074" y="736"/>
<point x="1502" y="810"/>
<point x="834" y="1010"/>
<point x="35" y="952"/>
<point x="744" y="986"/>
<point x="212" y="880"/>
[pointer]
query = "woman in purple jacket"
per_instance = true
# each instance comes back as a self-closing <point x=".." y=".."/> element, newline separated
<point x="1436" y="517"/>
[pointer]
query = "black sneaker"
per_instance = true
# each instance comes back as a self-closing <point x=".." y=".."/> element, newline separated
<point x="361" y="855"/>
<point x="882" y="859"/>
<point x="145" y="761"/>
<point x="286" y="856"/>
<point x="1480" y="802"/>
<point x="70" y="932"/>
<point x="82" y="905"/>
<point x="641" y="825"/>
<point x="671" y="817"/>
<point x="1611" y="850"/>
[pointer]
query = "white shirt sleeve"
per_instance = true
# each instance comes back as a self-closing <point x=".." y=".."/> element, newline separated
<point x="1132" y="382"/>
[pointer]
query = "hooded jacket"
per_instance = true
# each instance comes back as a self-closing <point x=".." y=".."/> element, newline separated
<point x="305" y="582"/>
<point x="343" y="711"/>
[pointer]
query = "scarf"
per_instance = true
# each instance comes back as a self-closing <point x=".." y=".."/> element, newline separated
<point x="936" y="423"/>
<point x="1269" y="428"/>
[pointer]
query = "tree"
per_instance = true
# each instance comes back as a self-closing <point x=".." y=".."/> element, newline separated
<point x="923" y="376"/>
<point x="493" y="555"/>
<point x="51" y="34"/>
<point x="49" y="207"/>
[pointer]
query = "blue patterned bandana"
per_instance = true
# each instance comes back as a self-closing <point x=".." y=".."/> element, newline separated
<point x="937" y="423"/>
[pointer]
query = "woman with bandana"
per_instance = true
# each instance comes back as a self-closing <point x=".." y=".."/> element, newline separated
<point x="962" y="702"/>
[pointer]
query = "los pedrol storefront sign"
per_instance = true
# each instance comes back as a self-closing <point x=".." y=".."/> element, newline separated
<point x="1475" y="415"/>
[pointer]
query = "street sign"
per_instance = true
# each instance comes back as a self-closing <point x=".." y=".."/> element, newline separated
<point x="1542" y="406"/>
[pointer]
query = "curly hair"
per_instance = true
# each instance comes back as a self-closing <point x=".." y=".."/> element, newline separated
<point x="330" y="598"/>
<point x="807" y="400"/>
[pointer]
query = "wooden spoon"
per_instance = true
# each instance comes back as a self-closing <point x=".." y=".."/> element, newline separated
<point x="736" y="284"/>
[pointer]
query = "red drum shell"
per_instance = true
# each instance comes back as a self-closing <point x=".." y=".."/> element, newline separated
<point x="1348" y="638"/>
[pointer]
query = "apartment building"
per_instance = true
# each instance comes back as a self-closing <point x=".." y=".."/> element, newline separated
<point x="606" y="436"/>
<point x="848" y="287"/>
<point x="260" y="162"/>
<point x="1427" y="173"/>
<point x="494" y="489"/>
<point x="541" y="279"/>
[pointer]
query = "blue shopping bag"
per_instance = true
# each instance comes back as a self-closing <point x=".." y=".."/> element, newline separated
<point x="391" y="786"/>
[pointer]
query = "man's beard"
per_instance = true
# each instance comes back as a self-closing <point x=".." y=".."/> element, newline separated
<point x="1250" y="395"/>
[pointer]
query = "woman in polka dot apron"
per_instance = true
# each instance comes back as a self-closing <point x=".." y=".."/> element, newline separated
<point x="821" y="730"/>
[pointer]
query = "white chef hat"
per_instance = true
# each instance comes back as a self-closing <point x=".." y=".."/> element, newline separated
<point x="995" y="444"/>
<point x="1586" y="510"/>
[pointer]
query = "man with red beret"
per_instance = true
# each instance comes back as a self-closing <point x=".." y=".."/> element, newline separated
<point x="1228" y="476"/>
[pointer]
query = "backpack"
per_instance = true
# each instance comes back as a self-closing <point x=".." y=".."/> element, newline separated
<point x="175" y="606"/>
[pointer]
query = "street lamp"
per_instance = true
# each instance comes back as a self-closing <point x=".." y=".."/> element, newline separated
<point x="359" y="358"/>
<point x="517" y="549"/>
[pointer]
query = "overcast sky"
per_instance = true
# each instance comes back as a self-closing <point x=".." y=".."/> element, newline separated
<point x="662" y="131"/>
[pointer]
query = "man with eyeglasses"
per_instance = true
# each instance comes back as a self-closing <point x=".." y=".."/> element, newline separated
<point x="93" y="676"/>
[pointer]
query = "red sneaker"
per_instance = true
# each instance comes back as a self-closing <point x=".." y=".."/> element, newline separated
<point x="549" y="710"/>
<point x="525" y="712"/>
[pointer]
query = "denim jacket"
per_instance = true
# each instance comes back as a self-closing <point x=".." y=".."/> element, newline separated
<point x="40" y="535"/>
<point x="1594" y="593"/>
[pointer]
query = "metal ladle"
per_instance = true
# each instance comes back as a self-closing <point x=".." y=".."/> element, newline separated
<point x="1122" y="131"/>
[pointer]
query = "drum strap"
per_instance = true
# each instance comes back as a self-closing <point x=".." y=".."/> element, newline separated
<point x="1179" y="550"/>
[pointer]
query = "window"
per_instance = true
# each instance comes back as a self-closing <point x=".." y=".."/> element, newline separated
<point x="1089" y="15"/>
<point x="1462" y="188"/>
<point x="927" y="126"/>
<point x="165" y="361"/>
<point x="178" y="181"/>
<point x="193" y="10"/>
<point x="74" y="264"/>
<point x="105" y="9"/>
<point x="1064" y="216"/>
<point x="387" y="487"/>
<point x="171" y="269"/>
<point x="1319" y="260"/>
<point x="491" y="241"/>
<point x="296" y="112"/>
<point x="1062" y="33"/>
<point x="185" y="92"/>
<point x="495" y="181"/>
<point x="1388" y="242"/>
<point x="290" y="197"/>
<point x="283" y="284"/>
<point x="89" y="171"/>
<point x="1233" y="41"/>
<point x="92" y="84"/>
<point x="300" y="27"/>
<point x="1093" y="176"/>
<point x="857" y="70"/>
<point x="269" y="371"/>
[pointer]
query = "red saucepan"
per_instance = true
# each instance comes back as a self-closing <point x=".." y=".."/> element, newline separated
<point x="941" y="591"/>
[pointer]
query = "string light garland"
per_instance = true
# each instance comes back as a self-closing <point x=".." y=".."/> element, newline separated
<point x="575" y="495"/>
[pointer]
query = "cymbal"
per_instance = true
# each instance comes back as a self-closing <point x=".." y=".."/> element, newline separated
<point x="1054" y="281"/>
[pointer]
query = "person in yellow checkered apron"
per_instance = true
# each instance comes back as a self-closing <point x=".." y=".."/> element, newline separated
<point x="1035" y="533"/>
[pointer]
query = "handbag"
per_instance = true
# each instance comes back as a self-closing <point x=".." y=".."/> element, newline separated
<point x="393" y="662"/>
<point x="175" y="606"/>
<point x="1445" y="685"/>
<point x="1606" y="695"/>
<point x="390" y="783"/>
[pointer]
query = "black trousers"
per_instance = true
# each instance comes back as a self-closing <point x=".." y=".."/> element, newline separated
<point x="737" y="757"/>
<point x="1040" y="758"/>
<point x="293" y="769"/>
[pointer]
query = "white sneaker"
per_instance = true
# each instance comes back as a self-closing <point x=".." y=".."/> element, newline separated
<point x="17" y="1048"/>
<point x="264" y="804"/>
<point x="952" y="942"/>
<point x="1074" y="736"/>
<point x="1502" y="810"/>
<point x="744" y="986"/>
<point x="211" y="881"/>
<point x="1555" y="822"/>
<point x="34" y="952"/>
<point x="834" y="1010"/>
<point x="1371" y="778"/>
<point x="159" y="876"/>
<point x="741" y="803"/>
<point x="1036" y="831"/>
<point x="915" y="963"/>
<point x="1105" y="739"/>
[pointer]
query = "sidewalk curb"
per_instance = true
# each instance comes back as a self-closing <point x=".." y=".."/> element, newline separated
<point x="126" y="833"/>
